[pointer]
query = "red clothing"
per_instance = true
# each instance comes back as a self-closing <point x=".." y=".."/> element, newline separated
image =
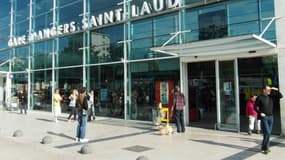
<point x="250" y="111"/>
<point x="179" y="101"/>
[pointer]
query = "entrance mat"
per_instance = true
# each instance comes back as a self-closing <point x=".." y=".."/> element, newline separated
<point x="138" y="148"/>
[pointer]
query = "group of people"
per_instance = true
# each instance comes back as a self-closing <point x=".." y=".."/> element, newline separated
<point x="81" y="104"/>
<point x="259" y="110"/>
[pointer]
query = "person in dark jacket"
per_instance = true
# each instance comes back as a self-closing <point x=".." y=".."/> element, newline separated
<point x="23" y="100"/>
<point x="82" y="106"/>
<point x="264" y="106"/>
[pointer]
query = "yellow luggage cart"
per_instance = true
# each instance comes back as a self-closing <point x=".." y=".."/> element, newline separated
<point x="164" y="117"/>
<point x="164" y="114"/>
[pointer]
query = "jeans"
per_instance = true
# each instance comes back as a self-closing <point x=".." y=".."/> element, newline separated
<point x="23" y="107"/>
<point x="73" y="112"/>
<point x="179" y="120"/>
<point x="81" y="127"/>
<point x="267" y="123"/>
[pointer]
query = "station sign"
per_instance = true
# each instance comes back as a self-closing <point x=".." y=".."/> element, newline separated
<point x="94" y="21"/>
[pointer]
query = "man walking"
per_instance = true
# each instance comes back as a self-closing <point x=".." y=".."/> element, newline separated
<point x="22" y="96"/>
<point x="178" y="107"/>
<point x="264" y="106"/>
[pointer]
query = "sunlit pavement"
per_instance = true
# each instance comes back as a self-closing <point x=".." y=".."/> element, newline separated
<point x="115" y="139"/>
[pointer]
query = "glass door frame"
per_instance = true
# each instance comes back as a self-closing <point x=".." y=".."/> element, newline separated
<point x="218" y="95"/>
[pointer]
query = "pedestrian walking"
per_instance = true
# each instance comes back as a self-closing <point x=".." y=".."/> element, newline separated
<point x="72" y="104"/>
<point x="82" y="106"/>
<point x="23" y="100"/>
<point x="264" y="106"/>
<point x="91" y="106"/>
<point x="253" y="122"/>
<point x="178" y="108"/>
<point x="56" y="105"/>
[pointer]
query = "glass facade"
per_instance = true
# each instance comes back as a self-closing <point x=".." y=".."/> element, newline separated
<point x="92" y="43"/>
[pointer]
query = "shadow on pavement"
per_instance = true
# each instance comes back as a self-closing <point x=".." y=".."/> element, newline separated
<point x="246" y="152"/>
<point x="104" y="139"/>
<point x="61" y="135"/>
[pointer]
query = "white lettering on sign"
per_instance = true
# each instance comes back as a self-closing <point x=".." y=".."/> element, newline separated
<point x="108" y="17"/>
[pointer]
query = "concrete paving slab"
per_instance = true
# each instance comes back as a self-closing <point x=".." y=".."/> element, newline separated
<point x="116" y="139"/>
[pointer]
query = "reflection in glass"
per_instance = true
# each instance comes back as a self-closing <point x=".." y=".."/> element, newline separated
<point x="144" y="76"/>
<point x="42" y="6"/>
<point x="212" y="25"/>
<point x="69" y="50"/>
<point x="4" y="61"/>
<point x="69" y="79"/>
<point x="42" y="55"/>
<point x="105" y="46"/>
<point x="143" y="38"/>
<point x="43" y="21"/>
<point x="4" y="37"/>
<point x="227" y="95"/>
<point x="20" y="61"/>
<point x="251" y="79"/>
<point x="41" y="88"/>
<point x="107" y="82"/>
<point x="65" y="14"/>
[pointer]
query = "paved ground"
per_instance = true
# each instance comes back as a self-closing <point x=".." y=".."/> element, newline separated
<point x="113" y="139"/>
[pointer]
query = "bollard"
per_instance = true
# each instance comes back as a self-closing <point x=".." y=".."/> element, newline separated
<point x="18" y="133"/>
<point x="46" y="140"/>
<point x="85" y="149"/>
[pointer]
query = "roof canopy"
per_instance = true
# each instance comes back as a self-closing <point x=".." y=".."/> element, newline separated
<point x="223" y="46"/>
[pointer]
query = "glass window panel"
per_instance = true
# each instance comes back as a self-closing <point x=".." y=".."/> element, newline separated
<point x="152" y="32"/>
<point x="105" y="46"/>
<point x="42" y="55"/>
<point x="4" y="61"/>
<point x="41" y="86"/>
<point x="242" y="11"/>
<point x="141" y="29"/>
<point x="163" y="27"/>
<point x="108" y="83"/>
<point x="270" y="34"/>
<point x="213" y="25"/>
<point x="228" y="107"/>
<point x="101" y="6"/>
<point x="69" y="50"/>
<point x="267" y="8"/>
<point x="20" y="61"/>
<point x="144" y="78"/>
<point x="19" y="81"/>
<point x="192" y="36"/>
<point x="21" y="28"/>
<point x="191" y="23"/>
<point x="140" y="48"/>
<point x="4" y="37"/>
<point x="244" y="28"/>
<point x="66" y="2"/>
<point x="68" y="79"/>
<point x="5" y="13"/>
<point x="43" y="21"/>
<point x="212" y="8"/>
<point x="42" y="6"/>
<point x="194" y="2"/>
<point x="22" y="10"/>
<point x="191" y="20"/>
<point x="66" y="16"/>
